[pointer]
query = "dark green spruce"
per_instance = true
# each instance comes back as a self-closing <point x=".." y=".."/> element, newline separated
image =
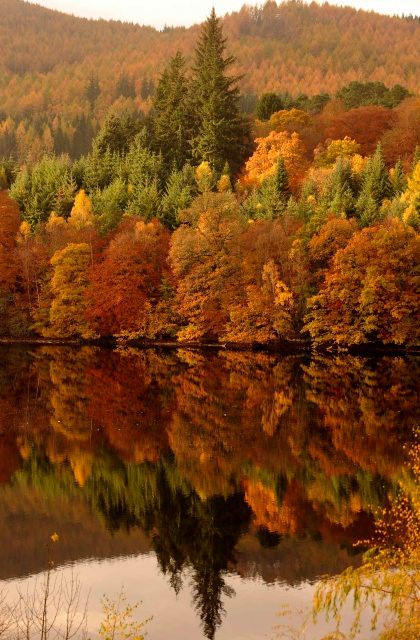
<point x="221" y="132"/>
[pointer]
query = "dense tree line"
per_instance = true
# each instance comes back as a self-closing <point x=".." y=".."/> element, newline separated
<point x="165" y="230"/>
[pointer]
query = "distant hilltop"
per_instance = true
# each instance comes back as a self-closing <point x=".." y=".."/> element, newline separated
<point x="47" y="57"/>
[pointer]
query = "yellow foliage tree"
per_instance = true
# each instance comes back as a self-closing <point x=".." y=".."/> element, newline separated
<point x="267" y="314"/>
<point x="81" y="216"/>
<point x="344" y="148"/>
<point x="262" y="164"/>
<point x="389" y="576"/>
<point x="204" y="176"/>
<point x="283" y="120"/>
<point x="119" y="622"/>
<point x="411" y="198"/>
<point x="68" y="284"/>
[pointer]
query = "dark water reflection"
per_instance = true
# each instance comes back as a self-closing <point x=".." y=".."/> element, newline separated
<point x="250" y="463"/>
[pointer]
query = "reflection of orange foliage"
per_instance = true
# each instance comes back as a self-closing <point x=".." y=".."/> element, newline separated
<point x="367" y="410"/>
<point x="9" y="457"/>
<point x="133" y="413"/>
<point x="81" y="463"/>
<point x="286" y="518"/>
<point x="232" y="420"/>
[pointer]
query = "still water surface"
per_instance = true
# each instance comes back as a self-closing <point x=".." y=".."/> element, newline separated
<point x="214" y="487"/>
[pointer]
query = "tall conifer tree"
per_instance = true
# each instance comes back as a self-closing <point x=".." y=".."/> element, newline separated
<point x="375" y="187"/>
<point x="220" y="130"/>
<point x="171" y="122"/>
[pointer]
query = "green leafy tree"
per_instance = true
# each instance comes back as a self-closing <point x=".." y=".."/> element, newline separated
<point x="340" y="189"/>
<point x="100" y="167"/>
<point x="117" y="133"/>
<point x="177" y="196"/>
<point x="143" y="173"/>
<point x="398" y="179"/>
<point x="282" y="180"/>
<point x="109" y="204"/>
<point x="37" y="190"/>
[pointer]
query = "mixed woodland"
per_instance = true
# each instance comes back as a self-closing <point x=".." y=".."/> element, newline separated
<point x="60" y="75"/>
<point x="188" y="219"/>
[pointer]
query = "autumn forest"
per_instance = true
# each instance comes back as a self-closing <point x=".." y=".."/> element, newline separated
<point x="191" y="220"/>
<point x="209" y="326"/>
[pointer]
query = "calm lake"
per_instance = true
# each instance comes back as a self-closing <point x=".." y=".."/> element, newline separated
<point x="215" y="488"/>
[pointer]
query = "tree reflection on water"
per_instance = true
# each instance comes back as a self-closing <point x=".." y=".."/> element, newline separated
<point x="217" y="459"/>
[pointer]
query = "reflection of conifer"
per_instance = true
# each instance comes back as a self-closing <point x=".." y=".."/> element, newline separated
<point x="198" y="533"/>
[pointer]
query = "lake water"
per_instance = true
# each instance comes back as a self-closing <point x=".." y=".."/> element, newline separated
<point x="215" y="488"/>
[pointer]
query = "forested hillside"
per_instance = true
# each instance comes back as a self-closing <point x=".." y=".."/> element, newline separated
<point x="46" y="57"/>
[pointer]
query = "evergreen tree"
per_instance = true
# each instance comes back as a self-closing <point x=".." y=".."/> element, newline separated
<point x="143" y="173"/>
<point x="177" y="196"/>
<point x="220" y="130"/>
<point x="125" y="87"/>
<point x="83" y="136"/>
<point x="282" y="180"/>
<point x="268" y="104"/>
<point x="376" y="187"/>
<point x="100" y="167"/>
<point x="92" y="91"/>
<point x="170" y="114"/>
<point x="339" y="191"/>
<point x="117" y="133"/>
<point x="36" y="189"/>
<point x="109" y="204"/>
<point x="398" y="180"/>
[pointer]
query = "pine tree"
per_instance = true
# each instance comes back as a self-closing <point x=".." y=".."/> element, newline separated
<point x="117" y="133"/>
<point x="375" y="188"/>
<point x="125" y="87"/>
<point x="268" y="104"/>
<point x="178" y="194"/>
<point x="398" y="179"/>
<point x="170" y="114"/>
<point x="220" y="130"/>
<point x="339" y="190"/>
<point x="92" y="91"/>
<point x="282" y="180"/>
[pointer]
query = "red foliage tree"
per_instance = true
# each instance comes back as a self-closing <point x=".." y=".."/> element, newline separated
<point x="366" y="125"/>
<point x="127" y="282"/>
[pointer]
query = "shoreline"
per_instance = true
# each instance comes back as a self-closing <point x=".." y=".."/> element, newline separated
<point x="297" y="347"/>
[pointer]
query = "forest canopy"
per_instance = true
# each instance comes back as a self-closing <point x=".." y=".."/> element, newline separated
<point x="193" y="221"/>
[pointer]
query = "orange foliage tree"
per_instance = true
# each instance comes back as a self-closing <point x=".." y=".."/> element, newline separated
<point x="203" y="256"/>
<point x="10" y="267"/>
<point x="262" y="164"/>
<point x="370" y="292"/>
